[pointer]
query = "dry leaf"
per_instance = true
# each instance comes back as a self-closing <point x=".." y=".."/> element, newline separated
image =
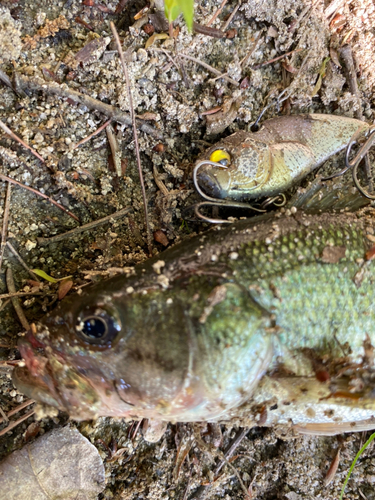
<point x="61" y="465"/>
<point x="91" y="52"/>
<point x="64" y="288"/>
<point x="161" y="237"/>
<point x="183" y="449"/>
<point x="154" y="37"/>
<point x="289" y="67"/>
<point x="370" y="254"/>
<point x="334" y="56"/>
<point x="148" y="116"/>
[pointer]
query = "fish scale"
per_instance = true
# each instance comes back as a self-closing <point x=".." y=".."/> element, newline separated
<point x="325" y="293"/>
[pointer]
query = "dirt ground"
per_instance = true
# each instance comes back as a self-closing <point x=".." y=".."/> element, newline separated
<point x="173" y="94"/>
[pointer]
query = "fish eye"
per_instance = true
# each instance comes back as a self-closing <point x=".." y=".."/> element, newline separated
<point x="220" y="156"/>
<point x="97" y="326"/>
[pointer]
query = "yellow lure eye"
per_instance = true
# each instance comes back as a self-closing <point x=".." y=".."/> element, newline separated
<point x="220" y="156"/>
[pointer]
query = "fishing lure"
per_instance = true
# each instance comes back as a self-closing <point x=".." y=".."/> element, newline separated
<point x="268" y="321"/>
<point x="250" y="165"/>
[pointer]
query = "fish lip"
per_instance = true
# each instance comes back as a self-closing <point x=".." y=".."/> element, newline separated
<point x="35" y="379"/>
<point x="40" y="380"/>
<point x="35" y="361"/>
<point x="35" y="389"/>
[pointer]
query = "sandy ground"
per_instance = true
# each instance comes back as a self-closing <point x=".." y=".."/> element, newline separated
<point x="175" y="93"/>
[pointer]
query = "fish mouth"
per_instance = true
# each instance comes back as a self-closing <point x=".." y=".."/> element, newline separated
<point x="35" y="378"/>
<point x="214" y="181"/>
<point x="51" y="379"/>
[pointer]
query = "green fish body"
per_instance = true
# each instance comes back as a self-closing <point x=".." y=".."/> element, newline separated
<point x="268" y="321"/>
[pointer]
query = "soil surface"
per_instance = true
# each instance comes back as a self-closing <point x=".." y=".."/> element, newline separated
<point x="69" y="45"/>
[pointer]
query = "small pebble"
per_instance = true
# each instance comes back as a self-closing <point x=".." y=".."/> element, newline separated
<point x="30" y="245"/>
<point x="38" y="138"/>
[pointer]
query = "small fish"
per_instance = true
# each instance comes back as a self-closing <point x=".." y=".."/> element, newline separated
<point x="268" y="321"/>
<point x="281" y="153"/>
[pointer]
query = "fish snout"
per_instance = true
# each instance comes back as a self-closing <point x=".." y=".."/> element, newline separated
<point x="214" y="181"/>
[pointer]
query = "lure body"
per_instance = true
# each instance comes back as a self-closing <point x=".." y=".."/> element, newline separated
<point x="281" y="153"/>
<point x="235" y="324"/>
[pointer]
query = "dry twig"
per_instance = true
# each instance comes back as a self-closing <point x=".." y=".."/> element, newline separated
<point x="230" y="18"/>
<point x="132" y="114"/>
<point x="63" y="91"/>
<point x="4" y="230"/>
<point x="14" y="424"/>
<point x="304" y="15"/>
<point x="96" y="132"/>
<point x="245" y="60"/>
<point x="136" y="429"/>
<point x="4" y="416"/>
<point x="202" y="491"/>
<point x="18" y="408"/>
<point x="210" y="68"/>
<point x="346" y="54"/>
<point x="20" y="141"/>
<point x="203" y="64"/>
<point x="257" y="66"/>
<point x="206" y="30"/>
<point x="3" y="306"/>
<point x="22" y="262"/>
<point x="333" y="7"/>
<point x="160" y="184"/>
<point x="113" y="144"/>
<point x="35" y="191"/>
<point x="10" y="362"/>
<point x="15" y="300"/>
<point x="217" y="13"/>
<point x="85" y="227"/>
<point x="5" y="79"/>
<point x="19" y="294"/>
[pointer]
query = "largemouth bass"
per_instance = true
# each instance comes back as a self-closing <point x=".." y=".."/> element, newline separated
<point x="248" y="165"/>
<point x="268" y="321"/>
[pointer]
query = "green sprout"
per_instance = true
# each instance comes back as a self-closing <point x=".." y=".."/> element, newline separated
<point x="47" y="277"/>
<point x="354" y="462"/>
<point x="184" y="226"/>
<point x="173" y="9"/>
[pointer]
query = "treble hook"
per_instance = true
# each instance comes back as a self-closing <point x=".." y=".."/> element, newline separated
<point x="274" y="201"/>
<point x="354" y="163"/>
<point x="216" y="202"/>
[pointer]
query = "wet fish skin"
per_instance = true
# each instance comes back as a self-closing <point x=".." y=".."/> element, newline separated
<point x="207" y="323"/>
<point x="280" y="154"/>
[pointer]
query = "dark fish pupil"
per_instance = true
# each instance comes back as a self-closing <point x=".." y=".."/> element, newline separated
<point x="94" y="328"/>
<point x="98" y="326"/>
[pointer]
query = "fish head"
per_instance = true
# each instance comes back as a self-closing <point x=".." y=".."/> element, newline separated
<point x="110" y="355"/>
<point x="235" y="168"/>
<point x="136" y="349"/>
